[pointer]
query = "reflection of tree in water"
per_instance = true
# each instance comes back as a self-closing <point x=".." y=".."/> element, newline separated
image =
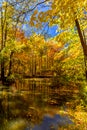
<point x="29" y="102"/>
<point x="19" y="106"/>
<point x="1" y="111"/>
<point x="52" y="123"/>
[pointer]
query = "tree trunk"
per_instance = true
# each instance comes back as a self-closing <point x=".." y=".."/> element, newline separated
<point x="10" y="64"/>
<point x="83" y="43"/>
<point x="2" y="71"/>
<point x="35" y="64"/>
<point x="3" y="40"/>
<point x="2" y="46"/>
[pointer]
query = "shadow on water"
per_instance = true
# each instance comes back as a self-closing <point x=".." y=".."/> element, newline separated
<point x="31" y="105"/>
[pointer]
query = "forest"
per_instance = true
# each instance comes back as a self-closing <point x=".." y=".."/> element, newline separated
<point x="43" y="62"/>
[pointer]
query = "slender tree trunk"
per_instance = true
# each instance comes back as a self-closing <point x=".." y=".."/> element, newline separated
<point x="2" y="70"/>
<point x="47" y="61"/>
<point x="10" y="64"/>
<point x="41" y="65"/>
<point x="35" y="64"/>
<point x="83" y="43"/>
<point x="3" y="40"/>
<point x="32" y="65"/>
<point x="2" y="46"/>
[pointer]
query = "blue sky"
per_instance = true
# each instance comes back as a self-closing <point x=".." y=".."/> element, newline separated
<point x="51" y="31"/>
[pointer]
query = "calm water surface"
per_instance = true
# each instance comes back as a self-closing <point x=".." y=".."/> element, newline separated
<point x="32" y="105"/>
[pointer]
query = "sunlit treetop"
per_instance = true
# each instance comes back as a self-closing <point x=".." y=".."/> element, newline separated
<point x="63" y="13"/>
<point x="68" y="10"/>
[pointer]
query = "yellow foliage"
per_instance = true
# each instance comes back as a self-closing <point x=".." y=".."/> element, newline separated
<point x="35" y="12"/>
<point x="66" y="11"/>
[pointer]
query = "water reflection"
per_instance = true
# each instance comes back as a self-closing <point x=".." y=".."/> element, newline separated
<point x="31" y="105"/>
<point x="52" y="123"/>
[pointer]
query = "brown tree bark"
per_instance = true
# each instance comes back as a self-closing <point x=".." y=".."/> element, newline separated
<point x="83" y="43"/>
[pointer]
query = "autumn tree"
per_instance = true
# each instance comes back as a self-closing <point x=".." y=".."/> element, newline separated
<point x="6" y="21"/>
<point x="67" y="14"/>
<point x="10" y="36"/>
<point x="13" y="15"/>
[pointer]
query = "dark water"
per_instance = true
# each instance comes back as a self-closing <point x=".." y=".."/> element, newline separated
<point x="32" y="105"/>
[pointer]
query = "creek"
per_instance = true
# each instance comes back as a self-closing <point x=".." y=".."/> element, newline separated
<point x="33" y="104"/>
